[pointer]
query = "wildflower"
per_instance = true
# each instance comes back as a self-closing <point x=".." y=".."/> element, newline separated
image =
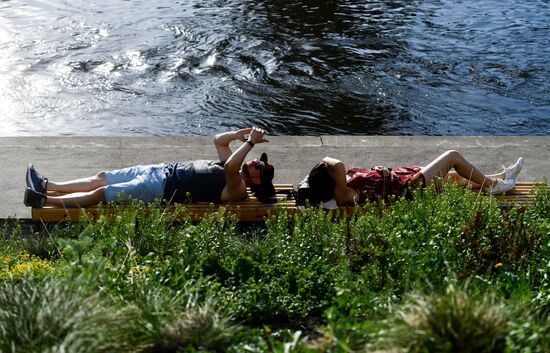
<point x="498" y="265"/>
<point x="15" y="266"/>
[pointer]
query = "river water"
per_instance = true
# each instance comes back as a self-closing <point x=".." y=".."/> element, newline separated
<point x="197" y="67"/>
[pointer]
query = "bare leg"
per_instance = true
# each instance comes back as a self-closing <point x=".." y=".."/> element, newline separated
<point x="441" y="166"/>
<point x="454" y="176"/>
<point x="79" y="185"/>
<point x="78" y="199"/>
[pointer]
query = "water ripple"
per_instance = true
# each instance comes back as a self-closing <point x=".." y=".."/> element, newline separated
<point x="303" y="67"/>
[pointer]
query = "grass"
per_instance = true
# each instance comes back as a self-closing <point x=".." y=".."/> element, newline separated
<point x="453" y="321"/>
<point x="439" y="273"/>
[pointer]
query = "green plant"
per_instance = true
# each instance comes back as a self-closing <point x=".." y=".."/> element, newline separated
<point x="147" y="280"/>
<point x="22" y="265"/>
<point x="59" y="316"/>
<point x="169" y="321"/>
<point x="455" y="321"/>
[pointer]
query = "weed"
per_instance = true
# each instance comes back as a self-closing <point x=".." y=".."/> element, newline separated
<point x="147" y="280"/>
<point x="57" y="316"/>
<point x="454" y="321"/>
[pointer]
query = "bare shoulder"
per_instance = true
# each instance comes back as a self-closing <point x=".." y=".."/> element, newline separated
<point x="234" y="192"/>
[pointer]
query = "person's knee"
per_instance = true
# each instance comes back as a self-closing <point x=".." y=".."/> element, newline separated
<point x="452" y="155"/>
<point x="99" y="194"/>
<point x="101" y="179"/>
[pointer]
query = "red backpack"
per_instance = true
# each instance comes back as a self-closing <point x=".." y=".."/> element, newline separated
<point x="371" y="184"/>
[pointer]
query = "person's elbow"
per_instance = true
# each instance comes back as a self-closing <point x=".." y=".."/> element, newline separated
<point x="334" y="164"/>
<point x="332" y="161"/>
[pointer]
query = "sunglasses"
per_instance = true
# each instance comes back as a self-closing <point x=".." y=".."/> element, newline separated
<point x="258" y="165"/>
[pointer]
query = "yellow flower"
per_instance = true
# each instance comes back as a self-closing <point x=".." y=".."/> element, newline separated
<point x="19" y="265"/>
<point x="498" y="265"/>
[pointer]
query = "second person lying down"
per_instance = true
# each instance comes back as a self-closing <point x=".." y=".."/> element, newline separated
<point x="330" y="180"/>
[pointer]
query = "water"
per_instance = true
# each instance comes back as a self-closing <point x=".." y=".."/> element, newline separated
<point x="197" y="67"/>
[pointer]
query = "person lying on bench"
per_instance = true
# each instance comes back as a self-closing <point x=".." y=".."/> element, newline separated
<point x="329" y="179"/>
<point x="211" y="181"/>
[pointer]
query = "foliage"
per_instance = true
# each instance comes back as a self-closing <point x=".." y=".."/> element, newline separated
<point x="447" y="272"/>
<point x="454" y="321"/>
<point x="20" y="265"/>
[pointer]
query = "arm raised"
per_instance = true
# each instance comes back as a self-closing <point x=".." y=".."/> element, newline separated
<point x="222" y="141"/>
<point x="235" y="187"/>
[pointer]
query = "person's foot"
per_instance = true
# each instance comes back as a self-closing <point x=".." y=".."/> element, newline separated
<point x="501" y="186"/>
<point x="35" y="181"/>
<point x="512" y="171"/>
<point x="34" y="199"/>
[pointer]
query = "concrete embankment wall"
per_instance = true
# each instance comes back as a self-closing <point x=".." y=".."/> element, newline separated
<point x="63" y="158"/>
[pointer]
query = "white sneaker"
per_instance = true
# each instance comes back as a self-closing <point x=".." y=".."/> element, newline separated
<point x="501" y="186"/>
<point x="512" y="171"/>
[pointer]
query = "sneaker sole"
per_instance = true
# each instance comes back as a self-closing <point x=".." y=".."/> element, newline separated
<point x="30" y="184"/>
<point x="515" y="174"/>
<point x="39" y="203"/>
<point x="25" y="198"/>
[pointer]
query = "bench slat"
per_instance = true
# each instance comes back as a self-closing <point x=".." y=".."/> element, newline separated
<point x="251" y="209"/>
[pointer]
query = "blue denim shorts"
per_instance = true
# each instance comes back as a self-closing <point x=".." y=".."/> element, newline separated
<point x="141" y="182"/>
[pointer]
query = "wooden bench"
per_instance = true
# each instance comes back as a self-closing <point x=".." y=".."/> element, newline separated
<point x="522" y="194"/>
<point x="252" y="210"/>
<point x="249" y="210"/>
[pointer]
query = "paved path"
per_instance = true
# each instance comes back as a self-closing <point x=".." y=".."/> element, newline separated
<point x="62" y="158"/>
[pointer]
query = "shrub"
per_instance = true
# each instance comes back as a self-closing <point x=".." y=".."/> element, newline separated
<point x="171" y="321"/>
<point x="58" y="316"/>
<point x="456" y="321"/>
<point x="147" y="281"/>
<point x="528" y="333"/>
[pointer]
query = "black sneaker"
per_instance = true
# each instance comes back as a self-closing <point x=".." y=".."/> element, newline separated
<point x="34" y="199"/>
<point x="36" y="181"/>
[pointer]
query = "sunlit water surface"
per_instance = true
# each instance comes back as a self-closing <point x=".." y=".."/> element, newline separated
<point x="197" y="67"/>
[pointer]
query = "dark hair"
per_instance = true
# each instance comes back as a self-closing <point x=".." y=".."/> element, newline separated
<point x="321" y="184"/>
<point x="265" y="192"/>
